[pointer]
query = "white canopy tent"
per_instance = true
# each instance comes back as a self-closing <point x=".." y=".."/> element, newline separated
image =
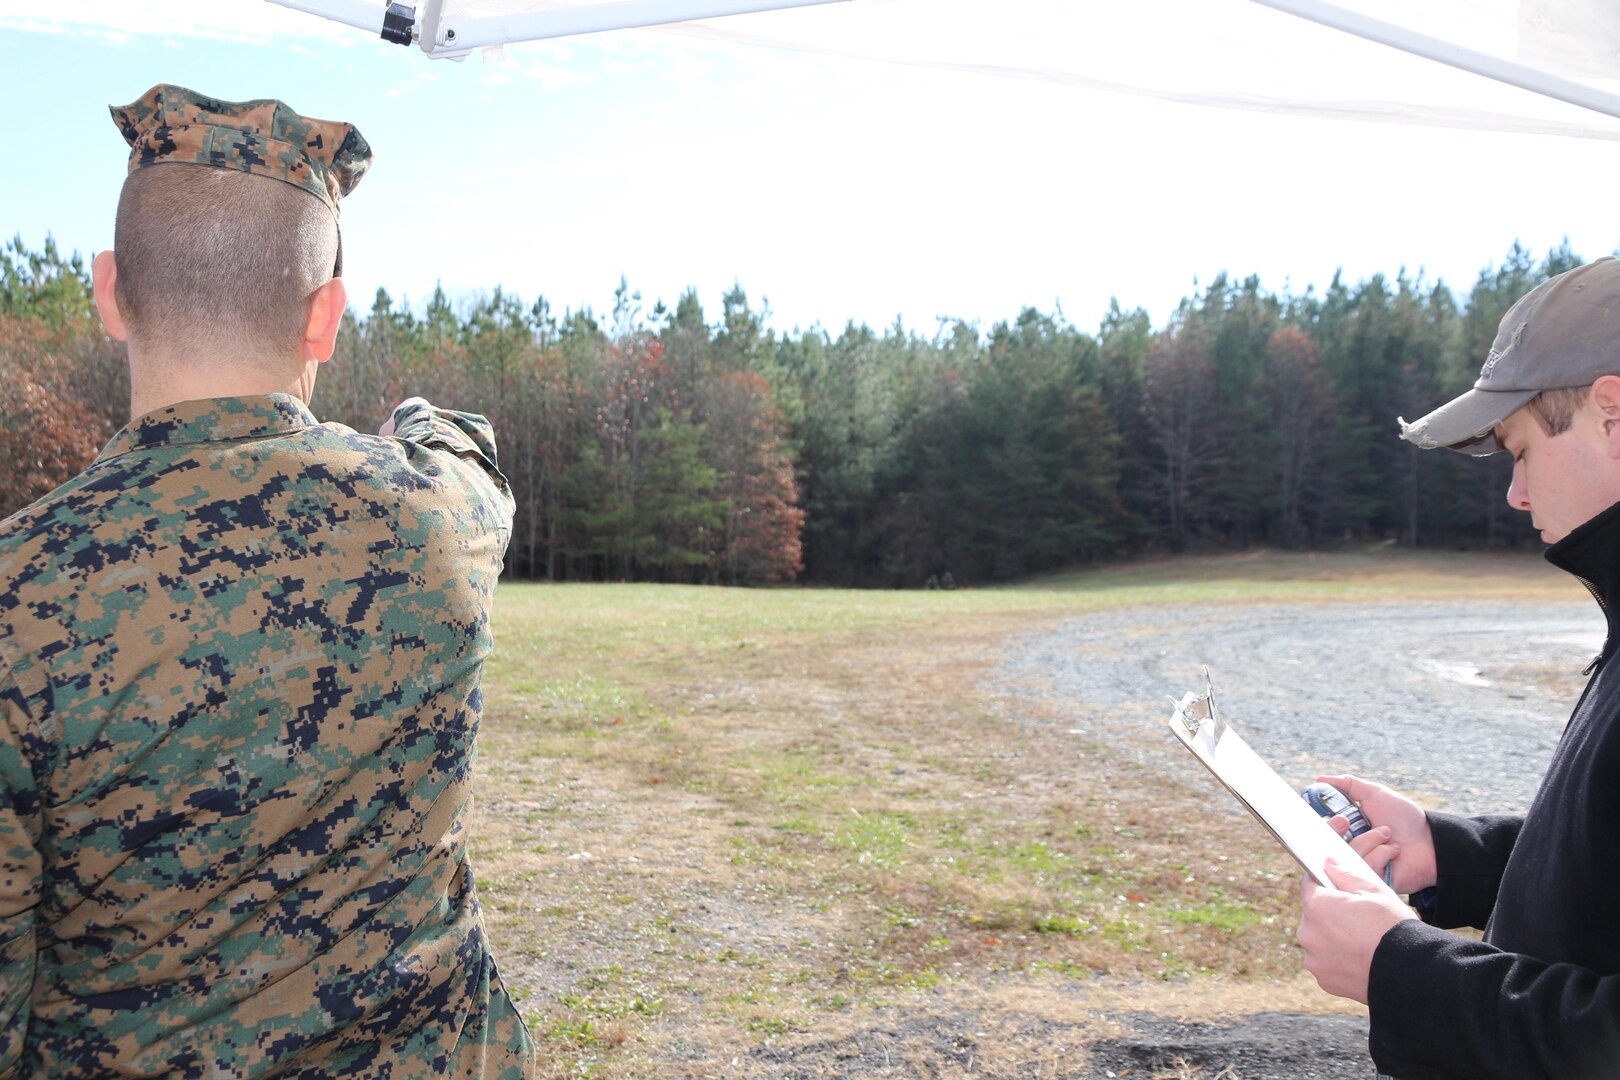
<point x="1566" y="53"/>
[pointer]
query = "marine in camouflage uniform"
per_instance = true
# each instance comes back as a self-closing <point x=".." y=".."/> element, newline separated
<point x="239" y="689"/>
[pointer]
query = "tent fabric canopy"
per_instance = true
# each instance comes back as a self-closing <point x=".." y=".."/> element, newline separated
<point x="1218" y="53"/>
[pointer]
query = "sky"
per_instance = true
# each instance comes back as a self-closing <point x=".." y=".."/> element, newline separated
<point x="912" y="159"/>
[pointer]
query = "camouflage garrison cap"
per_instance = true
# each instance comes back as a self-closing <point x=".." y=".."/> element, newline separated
<point x="170" y="123"/>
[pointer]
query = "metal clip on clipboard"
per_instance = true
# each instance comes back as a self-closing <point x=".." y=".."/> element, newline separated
<point x="1198" y="725"/>
<point x="1194" y="711"/>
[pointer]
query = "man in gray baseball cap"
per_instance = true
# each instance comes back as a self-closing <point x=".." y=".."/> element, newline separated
<point x="1539" y="995"/>
<point x="1563" y="334"/>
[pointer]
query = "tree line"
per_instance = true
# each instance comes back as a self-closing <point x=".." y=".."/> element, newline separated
<point x="667" y="445"/>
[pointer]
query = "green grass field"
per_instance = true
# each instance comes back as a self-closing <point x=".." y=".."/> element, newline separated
<point x="720" y="829"/>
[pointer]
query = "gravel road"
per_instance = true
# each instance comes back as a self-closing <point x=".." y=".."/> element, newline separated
<point x="1458" y="703"/>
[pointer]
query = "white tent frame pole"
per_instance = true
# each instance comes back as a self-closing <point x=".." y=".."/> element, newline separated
<point x="485" y="30"/>
<point x="364" y="14"/>
<point x="1430" y="48"/>
<point x="428" y="13"/>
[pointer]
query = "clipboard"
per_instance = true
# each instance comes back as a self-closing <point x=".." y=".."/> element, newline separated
<point x="1274" y="803"/>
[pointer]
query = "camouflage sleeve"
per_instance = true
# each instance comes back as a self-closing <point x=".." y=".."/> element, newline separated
<point x="20" y="868"/>
<point x="468" y="436"/>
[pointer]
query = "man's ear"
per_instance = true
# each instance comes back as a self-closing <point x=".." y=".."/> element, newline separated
<point x="104" y="276"/>
<point x="1605" y="400"/>
<point x="326" y="307"/>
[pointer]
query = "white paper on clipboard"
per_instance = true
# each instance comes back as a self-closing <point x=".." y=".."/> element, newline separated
<point x="1276" y="805"/>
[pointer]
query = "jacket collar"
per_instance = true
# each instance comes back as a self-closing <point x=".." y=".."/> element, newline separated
<point x="1590" y="553"/>
<point x="211" y="420"/>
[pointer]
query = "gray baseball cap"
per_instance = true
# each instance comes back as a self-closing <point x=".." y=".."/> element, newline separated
<point x="1563" y="333"/>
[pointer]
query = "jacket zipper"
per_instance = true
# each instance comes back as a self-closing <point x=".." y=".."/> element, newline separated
<point x="1608" y="626"/>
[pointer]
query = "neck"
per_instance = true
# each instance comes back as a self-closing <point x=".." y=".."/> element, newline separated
<point x="157" y="379"/>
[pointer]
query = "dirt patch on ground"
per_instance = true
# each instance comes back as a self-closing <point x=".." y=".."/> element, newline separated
<point x="1266" y="1046"/>
<point x="1065" y="1034"/>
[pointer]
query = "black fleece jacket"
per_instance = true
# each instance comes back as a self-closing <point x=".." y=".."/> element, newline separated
<point x="1540" y="996"/>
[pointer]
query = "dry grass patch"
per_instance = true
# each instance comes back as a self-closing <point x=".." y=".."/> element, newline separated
<point x="743" y="833"/>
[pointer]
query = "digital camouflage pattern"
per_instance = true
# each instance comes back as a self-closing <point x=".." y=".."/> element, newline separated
<point x="240" y="688"/>
<point x="326" y="158"/>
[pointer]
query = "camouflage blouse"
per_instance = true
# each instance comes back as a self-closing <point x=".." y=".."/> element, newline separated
<point x="239" y="688"/>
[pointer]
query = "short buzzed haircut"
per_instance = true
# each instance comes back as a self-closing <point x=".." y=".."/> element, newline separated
<point x="218" y="261"/>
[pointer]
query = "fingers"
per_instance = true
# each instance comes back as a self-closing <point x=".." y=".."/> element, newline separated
<point x="1376" y="849"/>
<point x="1353" y="786"/>
<point x="1352" y="875"/>
<point x="1367" y="844"/>
<point x="1374" y="845"/>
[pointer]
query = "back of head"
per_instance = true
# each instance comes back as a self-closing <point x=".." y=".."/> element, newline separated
<point x="228" y="222"/>
<point x="216" y="263"/>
